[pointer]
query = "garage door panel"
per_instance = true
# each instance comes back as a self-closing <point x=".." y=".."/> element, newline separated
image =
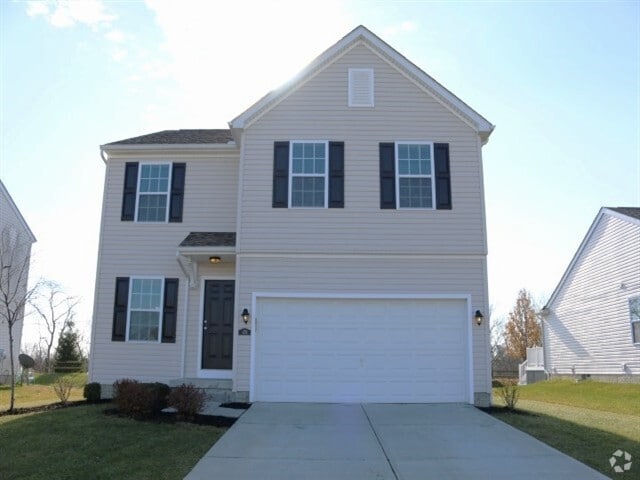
<point x="351" y="350"/>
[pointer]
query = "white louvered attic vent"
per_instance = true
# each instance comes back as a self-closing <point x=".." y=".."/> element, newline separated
<point x="361" y="87"/>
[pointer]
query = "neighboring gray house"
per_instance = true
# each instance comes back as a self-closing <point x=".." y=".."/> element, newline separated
<point x="342" y="216"/>
<point x="16" y="240"/>
<point x="591" y="324"/>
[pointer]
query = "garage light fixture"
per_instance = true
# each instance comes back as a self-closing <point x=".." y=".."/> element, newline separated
<point x="245" y="316"/>
<point x="478" y="317"/>
<point x="214" y="260"/>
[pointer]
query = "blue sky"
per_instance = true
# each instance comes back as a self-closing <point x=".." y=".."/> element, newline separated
<point x="560" y="80"/>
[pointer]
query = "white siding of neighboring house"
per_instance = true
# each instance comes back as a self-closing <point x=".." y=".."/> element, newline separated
<point x="318" y="111"/>
<point x="132" y="249"/>
<point x="12" y="223"/>
<point x="589" y="325"/>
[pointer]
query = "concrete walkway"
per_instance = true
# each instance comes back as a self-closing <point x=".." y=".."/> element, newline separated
<point x="275" y="441"/>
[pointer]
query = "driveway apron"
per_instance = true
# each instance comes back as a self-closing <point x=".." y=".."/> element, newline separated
<point x="310" y="441"/>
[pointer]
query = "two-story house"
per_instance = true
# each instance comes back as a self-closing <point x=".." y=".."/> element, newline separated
<point x="16" y="240"/>
<point x="329" y="246"/>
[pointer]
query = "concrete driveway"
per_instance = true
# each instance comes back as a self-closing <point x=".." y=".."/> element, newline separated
<point x="302" y="441"/>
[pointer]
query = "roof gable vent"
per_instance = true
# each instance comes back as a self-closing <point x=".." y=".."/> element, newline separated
<point x="361" y="87"/>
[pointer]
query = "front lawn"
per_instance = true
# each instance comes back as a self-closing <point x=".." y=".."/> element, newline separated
<point x="41" y="392"/>
<point x="83" y="442"/>
<point x="586" y="420"/>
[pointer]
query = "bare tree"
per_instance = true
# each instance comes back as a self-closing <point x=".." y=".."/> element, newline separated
<point x="57" y="310"/>
<point x="15" y="257"/>
<point x="523" y="330"/>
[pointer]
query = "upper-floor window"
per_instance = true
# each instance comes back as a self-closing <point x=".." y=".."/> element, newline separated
<point x="153" y="193"/>
<point x="415" y="175"/>
<point x="634" y="313"/>
<point x="308" y="174"/>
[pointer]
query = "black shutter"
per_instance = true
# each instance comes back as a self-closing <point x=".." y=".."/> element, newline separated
<point x="443" y="176"/>
<point x="387" y="176"/>
<point x="170" y="310"/>
<point x="129" y="191"/>
<point x="280" y="174"/>
<point x="177" y="192"/>
<point x="119" y="332"/>
<point x="336" y="174"/>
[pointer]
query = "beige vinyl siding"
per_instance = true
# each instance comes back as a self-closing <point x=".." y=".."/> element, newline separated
<point x="318" y="111"/>
<point x="143" y="249"/>
<point x="340" y="275"/>
<point x="589" y="325"/>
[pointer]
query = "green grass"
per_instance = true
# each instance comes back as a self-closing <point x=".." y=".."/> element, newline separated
<point x="78" y="379"/>
<point x="588" y="420"/>
<point x="82" y="442"/>
<point x="40" y="393"/>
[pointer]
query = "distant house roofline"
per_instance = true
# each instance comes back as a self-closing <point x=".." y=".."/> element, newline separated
<point x="16" y="210"/>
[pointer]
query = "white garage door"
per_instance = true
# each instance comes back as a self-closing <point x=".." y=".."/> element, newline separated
<point x="361" y="350"/>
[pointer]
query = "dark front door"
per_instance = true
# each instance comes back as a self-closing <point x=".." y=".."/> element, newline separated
<point x="217" y="324"/>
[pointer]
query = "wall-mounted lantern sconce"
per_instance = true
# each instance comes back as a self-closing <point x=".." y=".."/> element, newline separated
<point x="214" y="260"/>
<point x="478" y="317"/>
<point x="245" y="316"/>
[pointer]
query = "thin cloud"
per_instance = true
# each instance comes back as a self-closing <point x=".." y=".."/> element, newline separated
<point x="404" y="27"/>
<point x="116" y="36"/>
<point x="67" y="13"/>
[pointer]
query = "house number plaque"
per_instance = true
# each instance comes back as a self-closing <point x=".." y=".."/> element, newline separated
<point x="244" y="331"/>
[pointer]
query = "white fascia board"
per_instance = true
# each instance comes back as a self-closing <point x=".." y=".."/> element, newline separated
<point x="482" y="125"/>
<point x="15" y="209"/>
<point x="198" y="149"/>
<point x="187" y="251"/>
<point x="575" y="258"/>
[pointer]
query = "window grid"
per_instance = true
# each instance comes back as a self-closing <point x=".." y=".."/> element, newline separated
<point x="308" y="174"/>
<point x="153" y="192"/>
<point x="634" y="314"/>
<point x="414" y="175"/>
<point x="145" y="309"/>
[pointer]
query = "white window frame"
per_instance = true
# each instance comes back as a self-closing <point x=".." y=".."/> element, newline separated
<point x="160" y="310"/>
<point x="633" y="321"/>
<point x="432" y="176"/>
<point x="326" y="173"/>
<point x="168" y="192"/>
<point x="371" y="102"/>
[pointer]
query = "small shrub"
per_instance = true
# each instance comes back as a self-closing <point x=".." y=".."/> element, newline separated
<point x="92" y="392"/>
<point x="187" y="399"/>
<point x="137" y="399"/>
<point x="62" y="388"/>
<point x="509" y="393"/>
<point x="495" y="383"/>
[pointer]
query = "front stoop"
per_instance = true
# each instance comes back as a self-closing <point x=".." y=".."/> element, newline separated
<point x="217" y="390"/>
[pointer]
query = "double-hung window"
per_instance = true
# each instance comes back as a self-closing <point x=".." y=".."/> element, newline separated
<point x="415" y="181"/>
<point x="308" y="174"/>
<point x="634" y="313"/>
<point x="153" y="192"/>
<point x="145" y="309"/>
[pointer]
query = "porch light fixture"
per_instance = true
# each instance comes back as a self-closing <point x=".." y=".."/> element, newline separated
<point x="214" y="260"/>
<point x="478" y="317"/>
<point x="245" y="316"/>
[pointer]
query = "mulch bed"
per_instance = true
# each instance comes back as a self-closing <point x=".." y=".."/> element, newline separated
<point x="46" y="408"/>
<point x="172" y="418"/>
<point x="494" y="410"/>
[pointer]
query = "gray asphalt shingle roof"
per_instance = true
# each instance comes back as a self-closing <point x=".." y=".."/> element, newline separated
<point x="210" y="239"/>
<point x="168" y="137"/>
<point x="632" y="212"/>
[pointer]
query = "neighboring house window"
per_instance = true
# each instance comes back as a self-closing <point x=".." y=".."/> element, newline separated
<point x="153" y="192"/>
<point x="361" y="87"/>
<point x="308" y="174"/>
<point x="145" y="309"/>
<point x="415" y="175"/>
<point x="634" y="312"/>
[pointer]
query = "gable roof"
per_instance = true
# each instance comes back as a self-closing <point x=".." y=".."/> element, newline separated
<point x="180" y="137"/>
<point x="363" y="35"/>
<point x="628" y="214"/>
<point x="12" y="205"/>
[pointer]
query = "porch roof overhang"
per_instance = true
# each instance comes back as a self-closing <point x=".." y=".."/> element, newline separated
<point x="199" y="247"/>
